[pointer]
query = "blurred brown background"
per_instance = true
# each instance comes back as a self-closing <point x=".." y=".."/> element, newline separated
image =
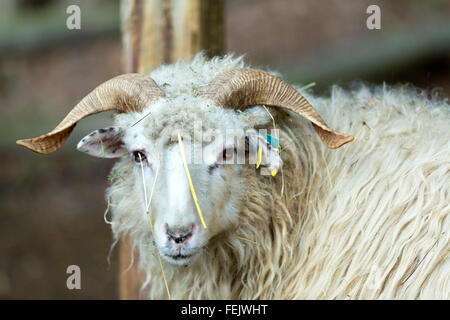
<point x="51" y="207"/>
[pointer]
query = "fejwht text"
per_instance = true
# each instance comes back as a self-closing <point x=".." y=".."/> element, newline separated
<point x="230" y="309"/>
<point x="238" y="309"/>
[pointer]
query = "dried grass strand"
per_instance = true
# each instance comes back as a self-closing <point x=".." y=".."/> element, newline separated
<point x="147" y="205"/>
<point x="191" y="186"/>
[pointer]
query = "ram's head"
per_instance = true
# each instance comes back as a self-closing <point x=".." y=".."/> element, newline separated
<point x="221" y="122"/>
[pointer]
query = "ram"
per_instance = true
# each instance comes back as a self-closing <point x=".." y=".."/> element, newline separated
<point x="367" y="221"/>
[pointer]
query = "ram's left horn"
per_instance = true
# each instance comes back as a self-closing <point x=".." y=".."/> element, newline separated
<point x="241" y="88"/>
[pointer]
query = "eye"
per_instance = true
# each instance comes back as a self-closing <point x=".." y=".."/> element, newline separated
<point x="223" y="158"/>
<point x="227" y="154"/>
<point x="138" y="156"/>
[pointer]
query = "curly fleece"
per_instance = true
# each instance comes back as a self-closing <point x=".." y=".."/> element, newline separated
<point x="367" y="221"/>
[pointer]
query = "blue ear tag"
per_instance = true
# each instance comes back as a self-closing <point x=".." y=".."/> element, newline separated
<point x="273" y="141"/>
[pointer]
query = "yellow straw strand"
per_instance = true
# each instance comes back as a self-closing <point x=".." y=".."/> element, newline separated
<point x="246" y="239"/>
<point x="147" y="205"/>
<point x="164" y="275"/>
<point x="191" y="186"/>
<point x="258" y="157"/>
<point x="159" y="257"/>
<point x="150" y="222"/>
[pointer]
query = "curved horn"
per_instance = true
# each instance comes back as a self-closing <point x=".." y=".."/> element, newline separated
<point x="240" y="88"/>
<point x="127" y="92"/>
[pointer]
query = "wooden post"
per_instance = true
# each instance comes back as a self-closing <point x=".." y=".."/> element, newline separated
<point x="156" y="32"/>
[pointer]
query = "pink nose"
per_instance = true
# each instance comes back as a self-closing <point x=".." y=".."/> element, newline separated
<point x="179" y="235"/>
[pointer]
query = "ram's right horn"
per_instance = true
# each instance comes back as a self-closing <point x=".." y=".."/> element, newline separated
<point x="125" y="93"/>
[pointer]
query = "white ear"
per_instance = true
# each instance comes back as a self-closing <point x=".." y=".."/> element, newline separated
<point x="103" y="143"/>
<point x="269" y="156"/>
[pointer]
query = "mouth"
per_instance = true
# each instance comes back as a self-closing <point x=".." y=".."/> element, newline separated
<point x="180" y="256"/>
<point x="178" y="259"/>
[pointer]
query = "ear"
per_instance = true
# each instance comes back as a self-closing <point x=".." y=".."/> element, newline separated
<point x="104" y="143"/>
<point x="264" y="151"/>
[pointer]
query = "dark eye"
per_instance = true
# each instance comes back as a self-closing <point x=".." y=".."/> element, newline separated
<point x="212" y="167"/>
<point x="138" y="156"/>
<point x="227" y="154"/>
<point x="223" y="158"/>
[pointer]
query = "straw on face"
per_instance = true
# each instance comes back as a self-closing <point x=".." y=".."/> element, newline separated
<point x="279" y="150"/>
<point x="258" y="157"/>
<point x="245" y="239"/>
<point x="147" y="205"/>
<point x="191" y="186"/>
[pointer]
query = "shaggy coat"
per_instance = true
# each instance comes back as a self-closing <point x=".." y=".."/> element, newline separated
<point x="367" y="221"/>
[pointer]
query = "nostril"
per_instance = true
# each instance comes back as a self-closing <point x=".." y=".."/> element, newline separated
<point x="179" y="235"/>
<point x="179" y="239"/>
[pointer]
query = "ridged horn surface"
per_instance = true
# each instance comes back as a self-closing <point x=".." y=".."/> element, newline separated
<point x="125" y="93"/>
<point x="244" y="87"/>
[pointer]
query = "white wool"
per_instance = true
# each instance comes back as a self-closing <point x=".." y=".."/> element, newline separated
<point x="188" y="78"/>
<point x="367" y="221"/>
